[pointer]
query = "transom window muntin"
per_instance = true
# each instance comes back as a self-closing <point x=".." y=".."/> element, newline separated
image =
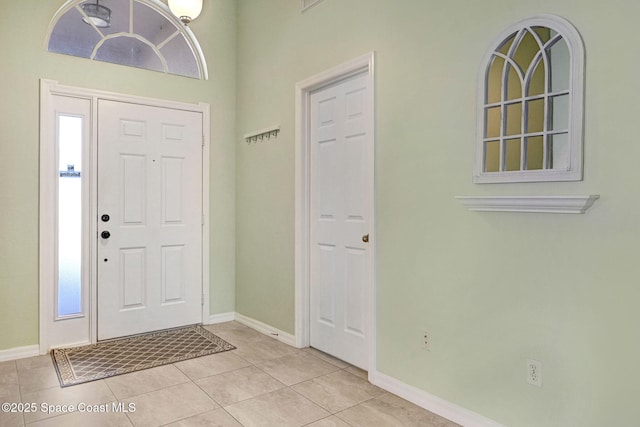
<point x="530" y="106"/>
<point x="142" y="34"/>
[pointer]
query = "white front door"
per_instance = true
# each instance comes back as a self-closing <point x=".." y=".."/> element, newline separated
<point x="340" y="202"/>
<point x="149" y="218"/>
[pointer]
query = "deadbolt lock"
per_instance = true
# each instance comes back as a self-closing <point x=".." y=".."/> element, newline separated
<point x="365" y="238"/>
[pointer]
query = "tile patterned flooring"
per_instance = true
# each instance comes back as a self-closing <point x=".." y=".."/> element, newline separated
<point x="262" y="383"/>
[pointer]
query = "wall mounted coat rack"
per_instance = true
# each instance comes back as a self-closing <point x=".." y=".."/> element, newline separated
<point x="261" y="135"/>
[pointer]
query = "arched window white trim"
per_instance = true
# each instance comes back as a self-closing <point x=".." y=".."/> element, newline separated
<point x="159" y="40"/>
<point x="530" y="104"/>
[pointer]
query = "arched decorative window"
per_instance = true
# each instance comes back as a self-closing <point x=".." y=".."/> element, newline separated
<point x="530" y="104"/>
<point x="137" y="33"/>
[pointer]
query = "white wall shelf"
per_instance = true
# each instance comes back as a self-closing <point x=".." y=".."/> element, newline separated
<point x="540" y="204"/>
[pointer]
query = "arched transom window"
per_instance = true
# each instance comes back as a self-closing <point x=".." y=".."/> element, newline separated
<point x="530" y="104"/>
<point x="137" y="33"/>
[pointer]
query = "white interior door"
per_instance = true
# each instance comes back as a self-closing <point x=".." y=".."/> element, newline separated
<point x="340" y="202"/>
<point x="149" y="218"/>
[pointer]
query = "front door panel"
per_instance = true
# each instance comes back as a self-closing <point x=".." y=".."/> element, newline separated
<point x="149" y="218"/>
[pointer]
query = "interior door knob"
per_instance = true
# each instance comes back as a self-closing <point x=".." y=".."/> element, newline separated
<point x="365" y="238"/>
<point x="105" y="234"/>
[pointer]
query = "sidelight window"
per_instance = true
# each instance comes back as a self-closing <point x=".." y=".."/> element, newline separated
<point x="70" y="218"/>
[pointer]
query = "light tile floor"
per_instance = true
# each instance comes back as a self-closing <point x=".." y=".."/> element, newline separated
<point x="262" y="383"/>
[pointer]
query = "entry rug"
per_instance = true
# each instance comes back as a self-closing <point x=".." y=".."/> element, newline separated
<point x="123" y="355"/>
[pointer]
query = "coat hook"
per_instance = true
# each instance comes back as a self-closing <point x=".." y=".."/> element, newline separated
<point x="262" y="135"/>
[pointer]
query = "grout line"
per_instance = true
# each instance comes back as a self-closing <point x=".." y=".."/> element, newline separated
<point x="231" y="415"/>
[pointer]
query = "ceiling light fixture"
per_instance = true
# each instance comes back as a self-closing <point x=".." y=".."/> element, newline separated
<point x="186" y="10"/>
<point x="100" y="16"/>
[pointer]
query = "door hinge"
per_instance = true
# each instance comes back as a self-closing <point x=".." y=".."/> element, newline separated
<point x="203" y="140"/>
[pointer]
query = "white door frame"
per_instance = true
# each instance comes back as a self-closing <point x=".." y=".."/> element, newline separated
<point x="48" y="89"/>
<point x="362" y="64"/>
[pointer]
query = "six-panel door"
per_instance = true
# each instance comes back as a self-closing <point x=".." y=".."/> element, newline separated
<point x="340" y="201"/>
<point x="149" y="218"/>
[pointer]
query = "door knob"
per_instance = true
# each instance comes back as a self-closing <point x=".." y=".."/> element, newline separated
<point x="105" y="234"/>
<point x="105" y="218"/>
<point x="365" y="238"/>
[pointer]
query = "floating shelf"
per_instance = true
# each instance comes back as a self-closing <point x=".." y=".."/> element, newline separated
<point x="262" y="134"/>
<point x="540" y="204"/>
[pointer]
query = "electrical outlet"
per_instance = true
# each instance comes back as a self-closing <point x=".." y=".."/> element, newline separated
<point x="426" y="340"/>
<point x="534" y="372"/>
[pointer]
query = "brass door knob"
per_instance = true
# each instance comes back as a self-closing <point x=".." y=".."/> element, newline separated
<point x="365" y="238"/>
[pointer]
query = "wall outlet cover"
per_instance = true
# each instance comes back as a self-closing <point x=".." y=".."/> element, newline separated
<point x="534" y="372"/>
<point x="426" y="340"/>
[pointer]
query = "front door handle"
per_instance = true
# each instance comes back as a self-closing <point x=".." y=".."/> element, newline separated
<point x="105" y="234"/>
<point x="365" y="238"/>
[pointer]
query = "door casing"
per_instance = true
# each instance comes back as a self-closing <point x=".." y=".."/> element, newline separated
<point x="362" y="64"/>
<point x="86" y="332"/>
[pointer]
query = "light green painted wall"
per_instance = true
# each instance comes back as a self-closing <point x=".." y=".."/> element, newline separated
<point x="492" y="288"/>
<point x="24" y="61"/>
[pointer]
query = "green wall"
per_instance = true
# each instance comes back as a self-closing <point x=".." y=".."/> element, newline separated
<point x="492" y="288"/>
<point x="24" y="61"/>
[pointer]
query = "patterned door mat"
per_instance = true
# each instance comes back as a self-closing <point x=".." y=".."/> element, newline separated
<point x="123" y="355"/>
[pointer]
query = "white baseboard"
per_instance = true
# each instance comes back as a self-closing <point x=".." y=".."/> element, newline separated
<point x="432" y="403"/>
<point x="414" y="395"/>
<point x="267" y="329"/>
<point x="19" y="352"/>
<point x="222" y="317"/>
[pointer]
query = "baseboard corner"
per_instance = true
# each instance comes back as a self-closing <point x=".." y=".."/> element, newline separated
<point x="221" y="317"/>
